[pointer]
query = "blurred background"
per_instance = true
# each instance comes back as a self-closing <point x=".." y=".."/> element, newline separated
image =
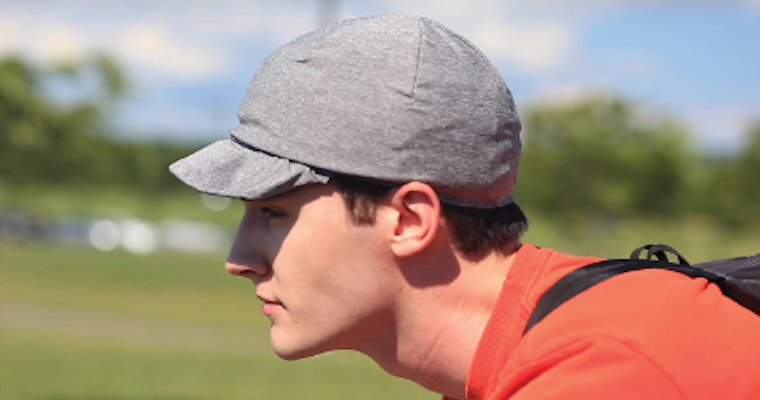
<point x="641" y="124"/>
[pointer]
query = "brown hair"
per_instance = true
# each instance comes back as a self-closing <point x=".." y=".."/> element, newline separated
<point x="474" y="232"/>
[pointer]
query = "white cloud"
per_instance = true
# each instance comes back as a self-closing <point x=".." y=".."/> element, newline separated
<point x="60" y="42"/>
<point x="8" y="31"/>
<point x="506" y="32"/>
<point x="535" y="47"/>
<point x="52" y="41"/>
<point x="152" y="46"/>
<point x="62" y="35"/>
<point x="721" y="129"/>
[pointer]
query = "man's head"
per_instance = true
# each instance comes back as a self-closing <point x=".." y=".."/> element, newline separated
<point x="391" y="98"/>
<point x="407" y="127"/>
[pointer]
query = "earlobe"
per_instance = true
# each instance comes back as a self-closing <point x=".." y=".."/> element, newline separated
<point x="417" y="218"/>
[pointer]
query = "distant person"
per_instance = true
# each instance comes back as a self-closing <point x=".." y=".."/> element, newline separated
<point x="376" y="159"/>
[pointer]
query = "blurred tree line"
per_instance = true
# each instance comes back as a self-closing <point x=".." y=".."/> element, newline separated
<point x="54" y="128"/>
<point x="599" y="157"/>
<point x="613" y="158"/>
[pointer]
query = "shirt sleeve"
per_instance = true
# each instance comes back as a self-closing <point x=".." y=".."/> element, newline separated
<point x="599" y="368"/>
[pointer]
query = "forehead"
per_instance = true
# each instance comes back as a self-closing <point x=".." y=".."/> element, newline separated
<point x="300" y="196"/>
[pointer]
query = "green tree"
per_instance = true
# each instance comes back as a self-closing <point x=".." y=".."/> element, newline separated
<point x="55" y="124"/>
<point x="48" y="140"/>
<point x="732" y="191"/>
<point x="603" y="156"/>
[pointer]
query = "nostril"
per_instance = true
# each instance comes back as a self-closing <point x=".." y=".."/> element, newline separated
<point x="245" y="269"/>
<point x="234" y="269"/>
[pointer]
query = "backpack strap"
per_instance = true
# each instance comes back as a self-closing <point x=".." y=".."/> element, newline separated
<point x="583" y="278"/>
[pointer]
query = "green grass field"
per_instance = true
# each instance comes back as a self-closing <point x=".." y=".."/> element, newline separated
<point x="79" y="324"/>
<point x="51" y="366"/>
<point x="166" y="295"/>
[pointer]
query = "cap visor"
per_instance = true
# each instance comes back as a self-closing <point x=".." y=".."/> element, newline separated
<point x="225" y="168"/>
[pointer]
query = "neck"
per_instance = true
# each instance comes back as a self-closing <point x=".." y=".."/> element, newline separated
<point x="438" y="327"/>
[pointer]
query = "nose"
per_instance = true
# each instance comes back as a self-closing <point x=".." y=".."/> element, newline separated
<point x="245" y="259"/>
<point x="246" y="265"/>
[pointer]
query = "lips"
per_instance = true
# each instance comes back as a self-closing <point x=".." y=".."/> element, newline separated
<point x="270" y="306"/>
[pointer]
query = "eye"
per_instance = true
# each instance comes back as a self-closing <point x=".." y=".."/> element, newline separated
<point x="271" y="213"/>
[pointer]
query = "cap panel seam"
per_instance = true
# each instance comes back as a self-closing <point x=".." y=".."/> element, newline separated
<point x="417" y="61"/>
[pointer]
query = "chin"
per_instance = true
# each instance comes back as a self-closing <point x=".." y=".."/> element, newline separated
<point x="290" y="355"/>
<point x="291" y="351"/>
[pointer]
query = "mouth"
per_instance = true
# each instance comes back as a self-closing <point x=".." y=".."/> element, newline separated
<point x="270" y="307"/>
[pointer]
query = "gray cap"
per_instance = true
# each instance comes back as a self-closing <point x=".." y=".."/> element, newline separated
<point x="392" y="98"/>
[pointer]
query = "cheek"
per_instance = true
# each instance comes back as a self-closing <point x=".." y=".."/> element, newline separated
<point x="338" y="257"/>
<point x="328" y="236"/>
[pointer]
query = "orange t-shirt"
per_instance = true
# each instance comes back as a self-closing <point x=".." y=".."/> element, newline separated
<point x="650" y="334"/>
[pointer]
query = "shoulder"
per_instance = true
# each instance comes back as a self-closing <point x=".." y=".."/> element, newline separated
<point x="586" y="367"/>
<point x="649" y="322"/>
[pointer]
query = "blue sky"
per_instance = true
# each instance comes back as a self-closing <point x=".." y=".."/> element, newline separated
<point x="191" y="60"/>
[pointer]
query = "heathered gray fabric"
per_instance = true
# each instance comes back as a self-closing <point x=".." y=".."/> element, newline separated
<point x="393" y="97"/>
<point x="225" y="168"/>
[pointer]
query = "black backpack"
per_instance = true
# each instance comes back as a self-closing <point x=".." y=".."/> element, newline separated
<point x="738" y="278"/>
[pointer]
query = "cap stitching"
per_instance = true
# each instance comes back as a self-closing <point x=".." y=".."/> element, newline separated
<point x="417" y="61"/>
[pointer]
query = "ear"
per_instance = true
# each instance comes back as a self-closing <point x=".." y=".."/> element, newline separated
<point x="416" y="218"/>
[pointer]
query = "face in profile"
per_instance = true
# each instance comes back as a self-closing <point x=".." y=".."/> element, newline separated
<point x="325" y="282"/>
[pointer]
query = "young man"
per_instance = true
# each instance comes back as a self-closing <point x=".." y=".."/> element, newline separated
<point x="376" y="159"/>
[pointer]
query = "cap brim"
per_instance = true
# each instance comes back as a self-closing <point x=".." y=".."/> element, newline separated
<point x="226" y="168"/>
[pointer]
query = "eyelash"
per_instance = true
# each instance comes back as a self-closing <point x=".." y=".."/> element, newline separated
<point x="270" y="213"/>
